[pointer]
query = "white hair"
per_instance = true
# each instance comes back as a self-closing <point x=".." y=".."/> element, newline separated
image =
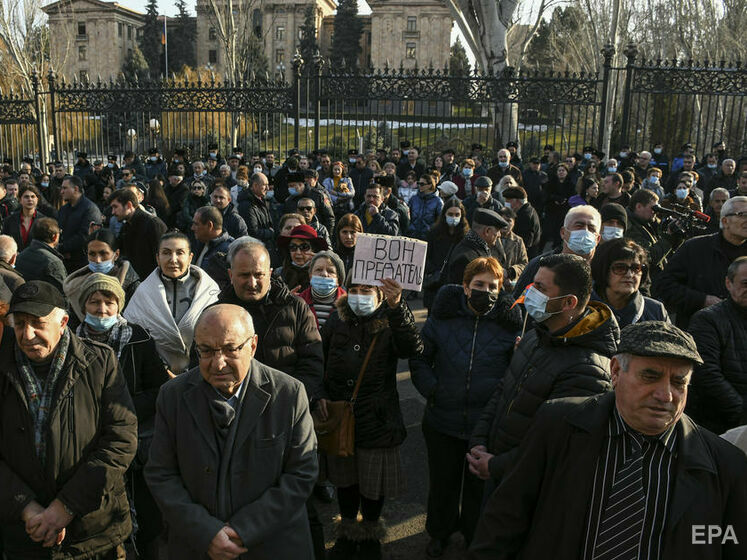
<point x="8" y="248"/>
<point x="719" y="190"/>
<point x="504" y="151"/>
<point x="729" y="206"/>
<point x="645" y="154"/>
<point x="584" y="209"/>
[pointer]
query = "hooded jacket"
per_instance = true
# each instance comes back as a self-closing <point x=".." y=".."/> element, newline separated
<point x="347" y="337"/>
<point x="546" y="366"/>
<point x="464" y="358"/>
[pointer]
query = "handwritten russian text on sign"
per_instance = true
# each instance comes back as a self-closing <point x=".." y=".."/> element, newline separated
<point x="383" y="256"/>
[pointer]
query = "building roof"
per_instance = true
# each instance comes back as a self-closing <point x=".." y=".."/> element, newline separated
<point x="58" y="6"/>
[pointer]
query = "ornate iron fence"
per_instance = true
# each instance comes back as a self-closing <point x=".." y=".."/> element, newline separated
<point x="327" y="108"/>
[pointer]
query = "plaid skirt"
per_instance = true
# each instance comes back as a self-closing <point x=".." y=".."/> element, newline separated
<point x="378" y="472"/>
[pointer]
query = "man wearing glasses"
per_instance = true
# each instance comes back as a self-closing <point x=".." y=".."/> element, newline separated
<point x="307" y="208"/>
<point x="694" y="277"/>
<point x="234" y="453"/>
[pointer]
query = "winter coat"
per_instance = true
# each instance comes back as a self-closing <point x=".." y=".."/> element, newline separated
<point x="464" y="358"/>
<point x="469" y="249"/>
<point x="718" y="393"/>
<point x="12" y="227"/>
<point x="555" y="473"/>
<point x="256" y="214"/>
<point x="91" y="440"/>
<point x="289" y="339"/>
<point x="361" y="179"/>
<point x="138" y="241"/>
<point x="386" y="222"/>
<point x="471" y="204"/>
<point x="402" y="210"/>
<point x="527" y="226"/>
<point x="122" y="271"/>
<point x="74" y="222"/>
<point x="436" y="260"/>
<point x="534" y="185"/>
<point x="10" y="276"/>
<point x="342" y="202"/>
<point x="424" y="211"/>
<point x="309" y="299"/>
<point x="546" y="366"/>
<point x="347" y="337"/>
<point x="191" y="204"/>
<point x="153" y="168"/>
<point x="39" y="261"/>
<point x="516" y="256"/>
<point x="496" y="173"/>
<point x="233" y="224"/>
<point x="639" y="308"/>
<point x="696" y="270"/>
<point x="177" y="197"/>
<point x="324" y="212"/>
<point x="346" y="255"/>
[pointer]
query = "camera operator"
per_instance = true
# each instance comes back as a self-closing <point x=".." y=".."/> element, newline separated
<point x="646" y="230"/>
<point x="682" y="195"/>
<point x="693" y="277"/>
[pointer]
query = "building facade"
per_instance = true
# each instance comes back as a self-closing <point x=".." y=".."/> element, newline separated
<point x="91" y="38"/>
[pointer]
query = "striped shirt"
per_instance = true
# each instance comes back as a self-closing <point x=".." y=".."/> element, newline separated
<point x="658" y="467"/>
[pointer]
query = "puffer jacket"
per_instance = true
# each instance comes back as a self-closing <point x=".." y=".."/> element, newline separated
<point x="718" y="395"/>
<point x="347" y="337"/>
<point x="289" y="339"/>
<point x="91" y="440"/>
<point x="424" y="211"/>
<point x="546" y="366"/>
<point x="464" y="358"/>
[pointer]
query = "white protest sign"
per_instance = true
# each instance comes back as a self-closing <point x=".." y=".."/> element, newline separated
<point x="383" y="256"/>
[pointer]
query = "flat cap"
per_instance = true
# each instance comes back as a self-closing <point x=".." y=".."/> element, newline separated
<point x="486" y="217"/>
<point x="448" y="188"/>
<point x="484" y="181"/>
<point x="36" y="298"/>
<point x="658" y="339"/>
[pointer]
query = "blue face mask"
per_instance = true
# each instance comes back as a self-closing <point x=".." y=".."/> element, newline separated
<point x="362" y="305"/>
<point x="101" y="323"/>
<point x="712" y="165"/>
<point x="587" y="156"/>
<point x="681" y="193"/>
<point x="582" y="241"/>
<point x="467" y="172"/>
<point x="503" y="164"/>
<point x="657" y="151"/>
<point x="45" y="184"/>
<point x="292" y="191"/>
<point x="153" y="158"/>
<point x="270" y="194"/>
<point x="612" y="169"/>
<point x="654" y="180"/>
<point x="453" y="220"/>
<point x="104" y="266"/>
<point x="323" y="285"/>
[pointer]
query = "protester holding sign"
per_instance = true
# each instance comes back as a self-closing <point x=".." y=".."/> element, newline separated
<point x="375" y="216"/>
<point x="378" y="316"/>
<point x="384" y="256"/>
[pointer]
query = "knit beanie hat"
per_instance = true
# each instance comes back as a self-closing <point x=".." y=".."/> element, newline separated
<point x="335" y="260"/>
<point x="102" y="282"/>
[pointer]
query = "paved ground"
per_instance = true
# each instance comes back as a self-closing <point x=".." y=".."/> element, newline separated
<point x="405" y="516"/>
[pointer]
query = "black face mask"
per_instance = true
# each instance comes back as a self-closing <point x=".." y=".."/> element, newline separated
<point x="482" y="301"/>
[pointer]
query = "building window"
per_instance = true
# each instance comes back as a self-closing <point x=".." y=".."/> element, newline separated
<point x="412" y="23"/>
<point x="83" y="74"/>
<point x="81" y="28"/>
<point x="279" y="56"/>
<point x="120" y="29"/>
<point x="82" y="52"/>
<point x="280" y="33"/>
<point x="410" y="50"/>
<point x="213" y="56"/>
<point x="129" y="32"/>
<point x="212" y="34"/>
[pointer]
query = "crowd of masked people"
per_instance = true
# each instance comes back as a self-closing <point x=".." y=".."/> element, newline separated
<point x="149" y="305"/>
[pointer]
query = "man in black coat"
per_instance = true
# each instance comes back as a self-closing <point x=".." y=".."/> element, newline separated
<point x="410" y="164"/>
<point x="534" y="183"/>
<point x="376" y="216"/>
<point x="75" y="218"/>
<point x="8" y="256"/>
<point x="305" y="185"/>
<point x="360" y="174"/>
<point x="40" y="260"/>
<point x="481" y="198"/>
<point x="254" y="208"/>
<point x="566" y="355"/>
<point x="694" y="277"/>
<point x="140" y="233"/>
<point x="233" y="223"/>
<point x="211" y="244"/>
<point x="68" y="434"/>
<point x="177" y="193"/>
<point x="719" y="386"/>
<point x="576" y="459"/>
<point x="527" y="223"/>
<point x="481" y="241"/>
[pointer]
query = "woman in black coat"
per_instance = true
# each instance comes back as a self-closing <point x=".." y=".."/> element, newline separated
<point x="379" y="316"/>
<point x="469" y="340"/>
<point x="102" y="298"/>
<point x="558" y="190"/>
<point x="446" y="233"/>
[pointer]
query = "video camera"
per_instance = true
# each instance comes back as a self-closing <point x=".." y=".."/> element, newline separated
<point x="683" y="221"/>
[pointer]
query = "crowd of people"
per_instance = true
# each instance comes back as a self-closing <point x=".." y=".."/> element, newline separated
<point x="173" y="331"/>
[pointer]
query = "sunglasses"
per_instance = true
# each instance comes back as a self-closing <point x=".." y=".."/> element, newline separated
<point x="303" y="247"/>
<point x="305" y="208"/>
<point x="621" y="268"/>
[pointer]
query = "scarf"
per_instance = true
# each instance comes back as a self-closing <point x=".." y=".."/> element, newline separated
<point x="478" y="241"/>
<point x="39" y="393"/>
<point x="118" y="337"/>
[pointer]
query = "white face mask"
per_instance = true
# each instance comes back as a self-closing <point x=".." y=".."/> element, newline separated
<point x="535" y="302"/>
<point x="611" y="232"/>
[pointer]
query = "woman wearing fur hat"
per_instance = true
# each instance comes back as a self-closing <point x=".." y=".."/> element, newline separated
<point x="378" y="316"/>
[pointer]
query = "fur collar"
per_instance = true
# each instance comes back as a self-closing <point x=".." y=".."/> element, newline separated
<point x="377" y="322"/>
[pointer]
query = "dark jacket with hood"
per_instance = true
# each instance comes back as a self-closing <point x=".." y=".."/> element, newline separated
<point x="464" y="359"/>
<point x="386" y="222"/>
<point x="718" y="393"/>
<point x="289" y="339"/>
<point x="347" y="338"/>
<point x="425" y="208"/>
<point x="571" y="363"/>
<point x="91" y="440"/>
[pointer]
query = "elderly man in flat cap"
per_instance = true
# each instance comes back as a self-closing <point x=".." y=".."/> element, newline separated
<point x="623" y="475"/>
<point x="481" y="241"/>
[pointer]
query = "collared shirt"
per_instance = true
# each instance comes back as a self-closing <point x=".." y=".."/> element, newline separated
<point x="658" y="479"/>
<point x="233" y="400"/>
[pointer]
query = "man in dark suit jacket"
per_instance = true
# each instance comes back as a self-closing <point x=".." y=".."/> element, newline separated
<point x="583" y="458"/>
<point x="233" y="459"/>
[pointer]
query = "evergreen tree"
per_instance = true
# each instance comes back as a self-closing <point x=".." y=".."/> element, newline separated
<point x="181" y="40"/>
<point x="308" y="44"/>
<point x="458" y="61"/>
<point x="346" y="35"/>
<point x="150" y="40"/>
<point x="135" y="65"/>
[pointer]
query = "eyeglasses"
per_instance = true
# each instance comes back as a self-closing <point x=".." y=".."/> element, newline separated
<point x="207" y="353"/>
<point x="621" y="268"/>
<point x="303" y="247"/>
<point x="741" y="214"/>
<point x="305" y="208"/>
